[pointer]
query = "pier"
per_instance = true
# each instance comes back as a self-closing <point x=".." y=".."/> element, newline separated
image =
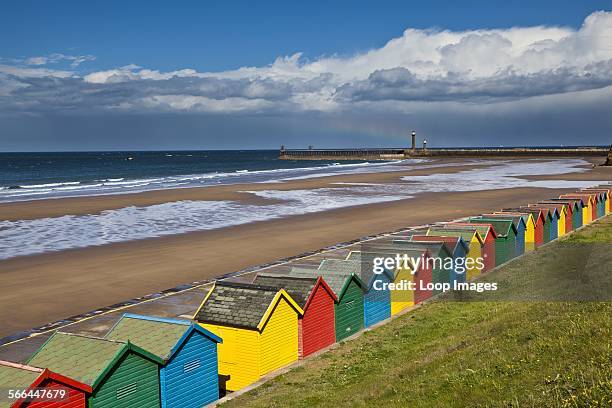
<point x="398" y="153"/>
<point x="414" y="152"/>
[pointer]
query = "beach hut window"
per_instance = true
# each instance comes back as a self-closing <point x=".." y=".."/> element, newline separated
<point x="191" y="366"/>
<point x="127" y="390"/>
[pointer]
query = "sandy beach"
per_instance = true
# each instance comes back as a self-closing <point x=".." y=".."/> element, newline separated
<point x="42" y="288"/>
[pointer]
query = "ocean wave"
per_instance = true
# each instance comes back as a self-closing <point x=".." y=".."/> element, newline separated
<point x="27" y="237"/>
<point x="121" y="185"/>
<point x="68" y="183"/>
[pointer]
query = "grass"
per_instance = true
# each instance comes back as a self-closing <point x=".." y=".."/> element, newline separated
<point x="508" y="349"/>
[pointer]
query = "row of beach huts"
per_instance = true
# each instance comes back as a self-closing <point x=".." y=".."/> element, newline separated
<point x="243" y="331"/>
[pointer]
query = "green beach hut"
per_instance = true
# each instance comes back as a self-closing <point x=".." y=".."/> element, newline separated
<point x="505" y="240"/>
<point x="342" y="277"/>
<point x="121" y="374"/>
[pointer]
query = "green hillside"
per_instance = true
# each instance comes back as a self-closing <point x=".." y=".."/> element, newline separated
<point x="514" y="351"/>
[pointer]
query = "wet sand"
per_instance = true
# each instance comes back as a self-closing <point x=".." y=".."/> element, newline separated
<point x="38" y="289"/>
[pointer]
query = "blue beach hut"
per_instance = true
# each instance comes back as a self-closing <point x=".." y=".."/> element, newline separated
<point x="189" y="376"/>
<point x="377" y="295"/>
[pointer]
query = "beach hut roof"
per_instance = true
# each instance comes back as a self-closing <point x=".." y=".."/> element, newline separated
<point x="539" y="212"/>
<point x="501" y="227"/>
<point x="605" y="190"/>
<point x="161" y="336"/>
<point x="559" y="205"/>
<point x="578" y="200"/>
<point x="590" y="197"/>
<point x="451" y="242"/>
<point x="366" y="273"/>
<point x="398" y="245"/>
<point x="17" y="376"/>
<point x="241" y="304"/>
<point x="604" y="193"/>
<point x="86" y="359"/>
<point x="23" y="377"/>
<point x="465" y="233"/>
<point x="299" y="288"/>
<point x="552" y="210"/>
<point x="573" y="204"/>
<point x="527" y="216"/>
<point x="516" y="219"/>
<point x="483" y="228"/>
<point x="336" y="274"/>
<point x="432" y="247"/>
<point x="341" y="266"/>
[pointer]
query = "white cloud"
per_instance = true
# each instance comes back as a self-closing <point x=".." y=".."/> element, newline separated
<point x="422" y="66"/>
<point x="25" y="72"/>
<point x="75" y="60"/>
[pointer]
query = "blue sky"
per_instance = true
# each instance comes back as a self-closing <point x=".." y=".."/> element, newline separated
<point x="334" y="73"/>
<point x="221" y="35"/>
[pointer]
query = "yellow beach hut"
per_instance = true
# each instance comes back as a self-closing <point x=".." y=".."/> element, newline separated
<point x="259" y="328"/>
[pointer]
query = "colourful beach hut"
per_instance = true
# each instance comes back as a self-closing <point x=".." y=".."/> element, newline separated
<point x="377" y="293"/>
<point x="475" y="242"/>
<point x="521" y="228"/>
<point x="458" y="249"/>
<point x="316" y="329"/>
<point x="601" y="200"/>
<point x="488" y="234"/>
<point x="400" y="297"/>
<point x="606" y="196"/>
<point x="542" y="223"/>
<point x="189" y="376"/>
<point x="565" y="211"/>
<point x="588" y="203"/>
<point x="553" y="216"/>
<point x="22" y="377"/>
<point x="417" y="272"/>
<point x="343" y="278"/>
<point x="577" y="209"/>
<point x="597" y="202"/>
<point x="120" y="374"/>
<point x="505" y="240"/>
<point x="259" y="328"/>
<point x="442" y="262"/>
<point x="530" y="227"/>
<point x="421" y="274"/>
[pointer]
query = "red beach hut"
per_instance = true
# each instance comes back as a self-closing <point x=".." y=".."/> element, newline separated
<point x="60" y="391"/>
<point x="316" y="328"/>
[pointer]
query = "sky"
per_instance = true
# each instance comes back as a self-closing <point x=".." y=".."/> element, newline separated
<point x="240" y="75"/>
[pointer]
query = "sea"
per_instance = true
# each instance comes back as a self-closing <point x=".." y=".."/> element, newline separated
<point x="35" y="176"/>
<point x="28" y="176"/>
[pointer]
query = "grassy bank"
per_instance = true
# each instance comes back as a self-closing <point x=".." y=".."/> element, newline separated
<point x="513" y="350"/>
